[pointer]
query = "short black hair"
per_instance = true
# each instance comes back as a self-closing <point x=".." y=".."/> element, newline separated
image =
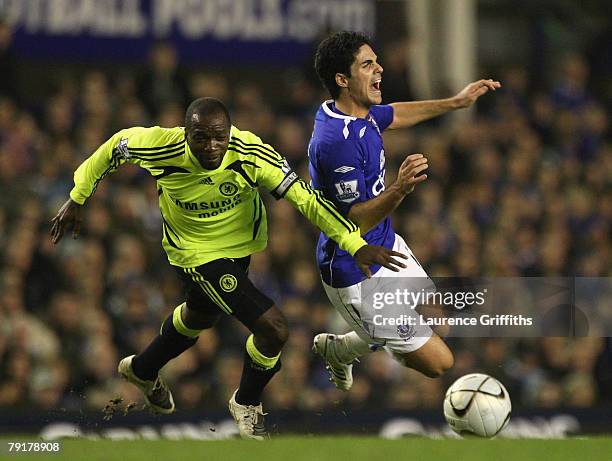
<point x="335" y="55"/>
<point x="206" y="106"/>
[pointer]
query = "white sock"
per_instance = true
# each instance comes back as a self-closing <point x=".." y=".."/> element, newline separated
<point x="351" y="346"/>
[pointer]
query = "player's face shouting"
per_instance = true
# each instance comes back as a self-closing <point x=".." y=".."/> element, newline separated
<point x="208" y="138"/>
<point x="366" y="77"/>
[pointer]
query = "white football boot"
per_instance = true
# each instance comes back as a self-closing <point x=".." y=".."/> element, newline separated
<point x="325" y="345"/>
<point x="249" y="418"/>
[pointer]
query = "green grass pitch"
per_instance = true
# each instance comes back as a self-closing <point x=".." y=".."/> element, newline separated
<point x="327" y="448"/>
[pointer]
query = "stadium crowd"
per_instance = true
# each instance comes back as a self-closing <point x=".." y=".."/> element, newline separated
<point x="519" y="188"/>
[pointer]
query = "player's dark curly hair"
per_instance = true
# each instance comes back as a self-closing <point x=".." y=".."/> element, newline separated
<point x="335" y="55"/>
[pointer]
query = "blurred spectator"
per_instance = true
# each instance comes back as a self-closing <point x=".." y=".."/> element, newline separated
<point x="163" y="81"/>
<point x="396" y="83"/>
<point x="570" y="91"/>
<point x="8" y="62"/>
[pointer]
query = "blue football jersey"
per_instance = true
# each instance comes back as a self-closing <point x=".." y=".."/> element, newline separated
<point x="347" y="163"/>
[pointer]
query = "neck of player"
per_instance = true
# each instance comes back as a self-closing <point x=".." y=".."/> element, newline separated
<point x="349" y="106"/>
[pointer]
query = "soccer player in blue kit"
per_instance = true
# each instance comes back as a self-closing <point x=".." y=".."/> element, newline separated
<point x="347" y="163"/>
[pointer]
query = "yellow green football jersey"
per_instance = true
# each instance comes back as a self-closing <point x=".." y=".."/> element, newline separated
<point x="212" y="214"/>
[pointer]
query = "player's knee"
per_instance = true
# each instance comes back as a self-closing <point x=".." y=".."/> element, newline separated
<point x="280" y="331"/>
<point x="198" y="320"/>
<point x="272" y="329"/>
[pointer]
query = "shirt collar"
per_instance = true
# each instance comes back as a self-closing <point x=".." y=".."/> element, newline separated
<point x="330" y="109"/>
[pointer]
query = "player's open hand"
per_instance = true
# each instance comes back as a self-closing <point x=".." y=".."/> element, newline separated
<point x="69" y="215"/>
<point x="475" y="90"/>
<point x="370" y="255"/>
<point x="409" y="174"/>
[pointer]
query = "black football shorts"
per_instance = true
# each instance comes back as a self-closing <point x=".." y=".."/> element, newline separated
<point x="223" y="286"/>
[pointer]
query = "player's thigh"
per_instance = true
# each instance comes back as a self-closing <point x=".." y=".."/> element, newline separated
<point x="347" y="302"/>
<point x="225" y="285"/>
<point x="199" y="312"/>
<point x="432" y="359"/>
<point x="359" y="305"/>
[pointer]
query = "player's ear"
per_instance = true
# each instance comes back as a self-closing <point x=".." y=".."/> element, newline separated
<point x="341" y="80"/>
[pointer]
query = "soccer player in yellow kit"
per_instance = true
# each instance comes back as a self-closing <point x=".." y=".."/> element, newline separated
<point x="213" y="219"/>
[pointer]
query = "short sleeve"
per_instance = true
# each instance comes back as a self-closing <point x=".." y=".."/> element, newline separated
<point x="383" y="114"/>
<point x="341" y="174"/>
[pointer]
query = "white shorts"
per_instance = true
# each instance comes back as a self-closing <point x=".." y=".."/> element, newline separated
<point x="355" y="304"/>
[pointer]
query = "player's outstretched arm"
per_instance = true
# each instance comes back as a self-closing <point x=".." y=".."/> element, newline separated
<point x="324" y="214"/>
<point x="68" y="216"/>
<point x="368" y="214"/>
<point x="103" y="161"/>
<point x="406" y="114"/>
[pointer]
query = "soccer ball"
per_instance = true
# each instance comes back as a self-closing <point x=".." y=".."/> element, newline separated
<point x="477" y="404"/>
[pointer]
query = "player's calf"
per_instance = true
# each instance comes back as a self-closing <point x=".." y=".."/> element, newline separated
<point x="175" y="337"/>
<point x="142" y="370"/>
<point x="432" y="359"/>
